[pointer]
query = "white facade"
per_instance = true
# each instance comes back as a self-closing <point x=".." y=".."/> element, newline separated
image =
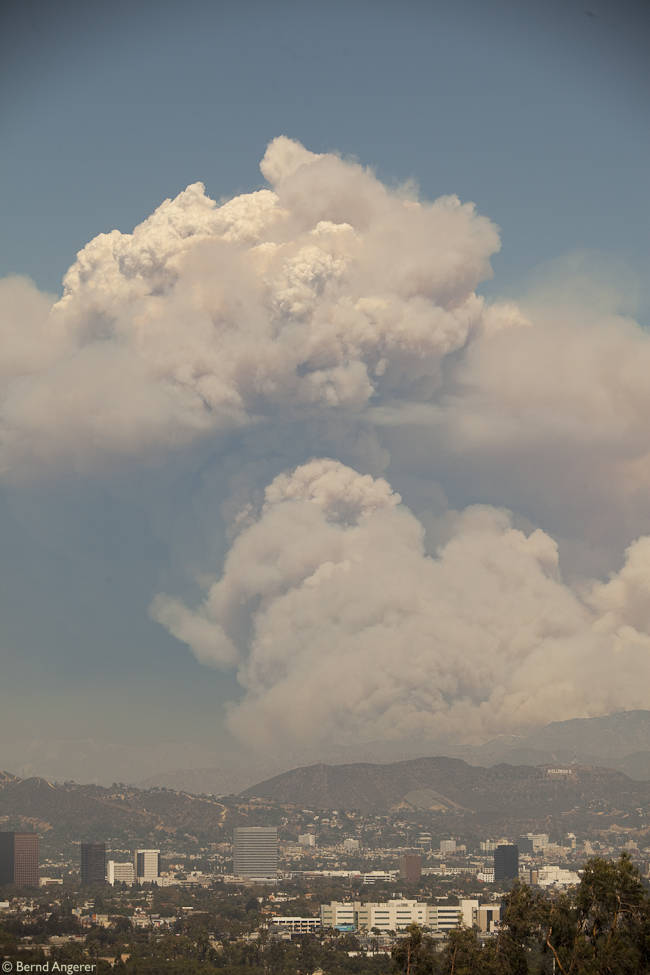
<point x="556" y="876"/>
<point x="445" y="917"/>
<point x="447" y="846"/>
<point x="393" y="915"/>
<point x="339" y="913"/>
<point x="398" y="913"/>
<point x="307" y="839"/>
<point x="120" y="873"/>
<point x="379" y="876"/>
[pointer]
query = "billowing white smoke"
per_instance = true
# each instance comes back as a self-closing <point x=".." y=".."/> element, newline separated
<point x="322" y="294"/>
<point x="344" y="630"/>
<point x="330" y="316"/>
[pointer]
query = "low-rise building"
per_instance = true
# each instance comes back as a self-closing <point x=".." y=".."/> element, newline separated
<point x="297" y="925"/>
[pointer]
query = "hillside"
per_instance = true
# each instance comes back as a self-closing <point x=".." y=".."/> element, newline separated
<point x="619" y="741"/>
<point x="452" y="785"/>
<point x="67" y="813"/>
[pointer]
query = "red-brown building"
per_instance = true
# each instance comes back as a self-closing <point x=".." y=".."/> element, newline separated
<point x="410" y="868"/>
<point x="19" y="859"/>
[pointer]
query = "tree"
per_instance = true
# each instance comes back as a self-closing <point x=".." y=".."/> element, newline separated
<point x="523" y="927"/>
<point x="463" y="955"/>
<point x="415" y="955"/>
<point x="607" y="929"/>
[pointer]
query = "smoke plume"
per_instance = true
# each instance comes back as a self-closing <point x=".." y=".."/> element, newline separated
<point x="394" y="468"/>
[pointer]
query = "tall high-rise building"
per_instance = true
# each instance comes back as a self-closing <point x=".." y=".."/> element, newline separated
<point x="506" y="862"/>
<point x="19" y="859"/>
<point x="146" y="865"/>
<point x="410" y="868"/>
<point x="93" y="863"/>
<point x="255" y="852"/>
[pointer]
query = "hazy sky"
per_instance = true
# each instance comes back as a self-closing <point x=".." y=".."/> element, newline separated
<point x="371" y="491"/>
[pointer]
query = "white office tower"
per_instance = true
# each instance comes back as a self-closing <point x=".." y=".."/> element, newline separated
<point x="147" y="866"/>
<point x="120" y="873"/>
<point x="255" y="852"/>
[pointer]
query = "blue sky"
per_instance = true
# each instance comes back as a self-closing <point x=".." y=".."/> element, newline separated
<point x="536" y="110"/>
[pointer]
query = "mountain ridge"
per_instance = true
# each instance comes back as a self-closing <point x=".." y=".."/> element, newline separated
<point x="452" y="784"/>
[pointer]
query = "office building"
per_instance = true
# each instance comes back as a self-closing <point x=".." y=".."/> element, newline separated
<point x="93" y="863"/>
<point x="146" y="865"/>
<point x="307" y="839"/>
<point x="392" y="915"/>
<point x="489" y="917"/>
<point x="120" y="873"/>
<point x="506" y="862"/>
<point x="447" y="846"/>
<point x="19" y="859"/>
<point x="342" y="915"/>
<point x="410" y="868"/>
<point x="397" y="914"/>
<point x="350" y="845"/>
<point x="255" y="852"/>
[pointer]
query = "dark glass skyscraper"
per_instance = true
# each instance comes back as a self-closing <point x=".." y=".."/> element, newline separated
<point x="93" y="863"/>
<point x="506" y="862"/>
<point x="19" y="859"/>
